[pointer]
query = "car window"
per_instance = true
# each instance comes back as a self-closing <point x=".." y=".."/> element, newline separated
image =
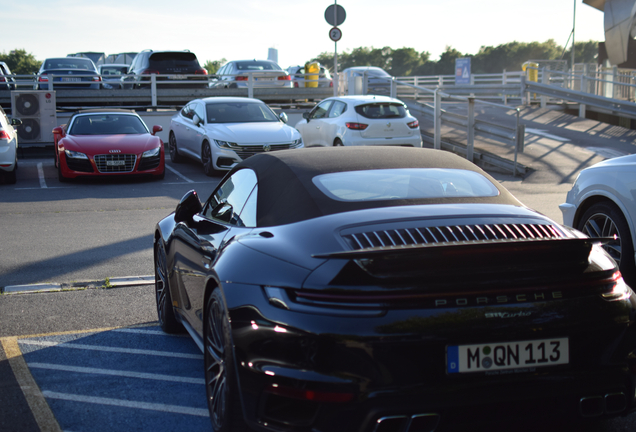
<point x="69" y="63"/>
<point x="239" y="112"/>
<point x="321" y="110"/>
<point x="337" y="109"/>
<point x="404" y="183"/>
<point x="227" y="201"/>
<point x="187" y="111"/>
<point x="248" y="215"/>
<point x="381" y="110"/>
<point x="256" y="65"/>
<point x="107" y="124"/>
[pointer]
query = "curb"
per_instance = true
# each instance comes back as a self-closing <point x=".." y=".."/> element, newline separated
<point x="51" y="287"/>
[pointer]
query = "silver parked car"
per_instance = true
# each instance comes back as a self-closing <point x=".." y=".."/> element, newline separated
<point x="112" y="74"/>
<point x="378" y="80"/>
<point x="8" y="147"/>
<point x="358" y="121"/>
<point x="602" y="203"/>
<point x="266" y="74"/>
<point x="222" y="131"/>
<point x="297" y="74"/>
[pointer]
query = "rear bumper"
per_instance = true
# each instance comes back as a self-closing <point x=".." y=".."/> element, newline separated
<point x="357" y="140"/>
<point x="392" y="365"/>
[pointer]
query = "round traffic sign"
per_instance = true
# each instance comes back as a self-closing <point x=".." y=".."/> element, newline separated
<point x="335" y="34"/>
<point x="337" y="18"/>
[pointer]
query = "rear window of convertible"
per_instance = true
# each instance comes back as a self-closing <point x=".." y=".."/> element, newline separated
<point x="404" y="183"/>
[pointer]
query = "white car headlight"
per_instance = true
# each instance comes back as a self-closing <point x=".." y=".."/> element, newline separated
<point x="152" y="153"/>
<point x="75" y="155"/>
<point x="297" y="143"/>
<point x="226" y="144"/>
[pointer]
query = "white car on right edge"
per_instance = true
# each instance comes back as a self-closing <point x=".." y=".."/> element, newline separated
<point x="358" y="121"/>
<point x="602" y="203"/>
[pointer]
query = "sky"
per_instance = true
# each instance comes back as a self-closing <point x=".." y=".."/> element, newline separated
<point x="246" y="29"/>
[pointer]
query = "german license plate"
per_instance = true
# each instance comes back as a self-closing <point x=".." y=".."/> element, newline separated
<point x="264" y="79"/>
<point x="176" y="77"/>
<point x="507" y="355"/>
<point x="68" y="79"/>
<point x="115" y="163"/>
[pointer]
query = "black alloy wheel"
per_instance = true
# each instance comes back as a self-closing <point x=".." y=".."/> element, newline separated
<point x="165" y="312"/>
<point x="172" y="148"/>
<point x="221" y="384"/>
<point x="604" y="219"/>
<point x="206" y="158"/>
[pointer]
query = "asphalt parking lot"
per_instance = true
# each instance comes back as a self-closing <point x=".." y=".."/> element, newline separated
<point x="94" y="359"/>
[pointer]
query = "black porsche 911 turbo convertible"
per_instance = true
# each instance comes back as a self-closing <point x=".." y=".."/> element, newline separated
<point x="390" y="289"/>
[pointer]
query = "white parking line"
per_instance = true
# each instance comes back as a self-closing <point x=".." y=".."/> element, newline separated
<point x="150" y="332"/>
<point x="176" y="409"/>
<point x="112" y="349"/>
<point x="119" y="373"/>
<point x="179" y="174"/>
<point x="41" y="176"/>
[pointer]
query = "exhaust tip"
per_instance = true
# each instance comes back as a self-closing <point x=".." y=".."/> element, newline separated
<point x="615" y="403"/>
<point x="423" y="423"/>
<point x="592" y="406"/>
<point x="402" y="423"/>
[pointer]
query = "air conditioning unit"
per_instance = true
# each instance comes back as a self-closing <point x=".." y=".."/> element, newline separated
<point x="37" y="110"/>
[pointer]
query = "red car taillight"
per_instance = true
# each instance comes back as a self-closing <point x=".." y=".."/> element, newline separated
<point x="330" y="83"/>
<point x="4" y="135"/>
<point x="240" y="78"/>
<point x="3" y="79"/>
<point x="413" y="124"/>
<point x="97" y="78"/>
<point x="309" y="395"/>
<point x="149" y="72"/>
<point x="201" y="72"/>
<point x="43" y="78"/>
<point x="357" y="126"/>
<point x="284" y="78"/>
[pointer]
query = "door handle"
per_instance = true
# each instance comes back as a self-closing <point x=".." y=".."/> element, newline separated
<point x="206" y="260"/>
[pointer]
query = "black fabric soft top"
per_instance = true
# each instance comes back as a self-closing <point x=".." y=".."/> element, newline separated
<point x="286" y="193"/>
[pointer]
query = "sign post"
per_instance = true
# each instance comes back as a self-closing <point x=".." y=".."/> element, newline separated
<point x="335" y="15"/>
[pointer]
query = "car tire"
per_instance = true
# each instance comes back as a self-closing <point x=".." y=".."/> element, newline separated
<point x="173" y="149"/>
<point x="60" y="176"/>
<point x="338" y="143"/>
<point x="221" y="384"/>
<point x="165" y="312"/>
<point x="206" y="159"/>
<point x="605" y="219"/>
<point x="10" y="177"/>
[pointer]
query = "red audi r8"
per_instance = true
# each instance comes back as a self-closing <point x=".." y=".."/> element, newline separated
<point x="102" y="142"/>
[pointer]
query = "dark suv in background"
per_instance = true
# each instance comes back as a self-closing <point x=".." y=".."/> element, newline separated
<point x="170" y="66"/>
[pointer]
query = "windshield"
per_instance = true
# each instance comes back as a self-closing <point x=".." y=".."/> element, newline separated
<point x="239" y="112"/>
<point x="114" y="70"/>
<point x="107" y="124"/>
<point x="406" y="183"/>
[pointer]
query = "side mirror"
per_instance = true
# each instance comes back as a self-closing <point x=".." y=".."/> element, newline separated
<point x="156" y="128"/>
<point x="189" y="205"/>
<point x="283" y="117"/>
<point x="197" y="120"/>
<point x="306" y="116"/>
<point x="16" y="122"/>
<point x="59" y="131"/>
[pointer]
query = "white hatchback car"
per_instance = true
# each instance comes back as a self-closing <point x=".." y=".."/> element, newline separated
<point x="360" y="120"/>
<point x="602" y="203"/>
<point x="8" y="147"/>
<point x="222" y="131"/>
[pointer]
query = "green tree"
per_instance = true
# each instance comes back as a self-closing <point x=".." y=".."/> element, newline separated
<point x="20" y="62"/>
<point x="446" y="63"/>
<point x="213" y="66"/>
<point x="585" y="52"/>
